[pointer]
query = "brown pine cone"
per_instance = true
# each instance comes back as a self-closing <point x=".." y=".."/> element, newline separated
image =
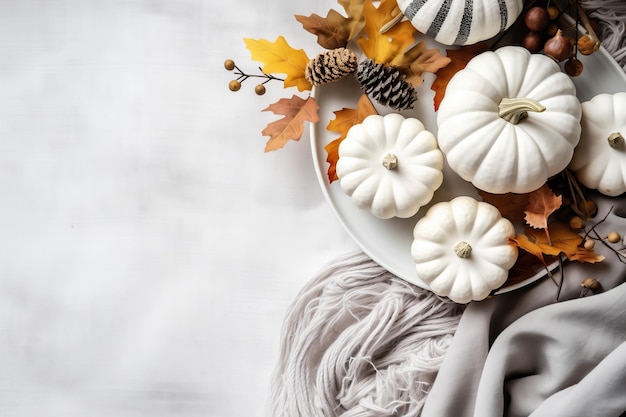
<point x="386" y="84"/>
<point x="331" y="66"/>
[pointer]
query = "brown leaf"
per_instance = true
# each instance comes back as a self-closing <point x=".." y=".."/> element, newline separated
<point x="586" y="255"/>
<point x="541" y="204"/>
<point x="332" y="31"/>
<point x="418" y="60"/>
<point x="458" y="60"/>
<point x="526" y="266"/>
<point x="511" y="205"/>
<point x="296" y="111"/>
<point x="343" y="121"/>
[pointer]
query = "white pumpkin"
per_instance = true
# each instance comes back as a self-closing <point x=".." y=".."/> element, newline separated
<point x="390" y="165"/>
<point x="461" y="249"/>
<point x="509" y="120"/>
<point x="600" y="158"/>
<point x="461" y="22"/>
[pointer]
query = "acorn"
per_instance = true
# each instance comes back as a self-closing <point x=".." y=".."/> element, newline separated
<point x="587" y="45"/>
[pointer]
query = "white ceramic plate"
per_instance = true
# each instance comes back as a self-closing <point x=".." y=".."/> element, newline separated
<point x="388" y="242"/>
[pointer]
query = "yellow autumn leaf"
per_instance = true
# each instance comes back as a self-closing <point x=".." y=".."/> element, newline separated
<point x="383" y="48"/>
<point x="280" y="57"/>
<point x="356" y="20"/>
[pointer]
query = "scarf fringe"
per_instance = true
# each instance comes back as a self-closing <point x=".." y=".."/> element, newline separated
<point x="358" y="341"/>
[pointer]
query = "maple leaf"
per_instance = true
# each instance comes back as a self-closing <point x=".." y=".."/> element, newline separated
<point x="383" y="48"/>
<point x="332" y="31"/>
<point x="280" y="57"/>
<point x="458" y="60"/>
<point x="418" y="60"/>
<point x="343" y="121"/>
<point x="356" y="18"/>
<point x="526" y="266"/>
<point x="296" y="111"/>
<point x="563" y="241"/>
<point x="541" y="204"/>
<point x="511" y="206"/>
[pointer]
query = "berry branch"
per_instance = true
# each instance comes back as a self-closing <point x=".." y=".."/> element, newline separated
<point x="235" y="85"/>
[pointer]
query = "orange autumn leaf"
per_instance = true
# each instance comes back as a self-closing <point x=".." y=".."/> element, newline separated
<point x="511" y="206"/>
<point x="296" y="111"/>
<point x="356" y="18"/>
<point x="280" y="57"/>
<point x="562" y="241"/>
<point x="343" y="121"/>
<point x="383" y="48"/>
<point x="541" y="204"/>
<point x="458" y="60"/>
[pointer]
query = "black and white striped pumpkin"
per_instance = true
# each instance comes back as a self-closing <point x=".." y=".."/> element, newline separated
<point x="461" y="22"/>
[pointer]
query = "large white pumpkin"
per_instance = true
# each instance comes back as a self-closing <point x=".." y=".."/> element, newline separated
<point x="600" y="157"/>
<point x="390" y="165"/>
<point x="509" y="120"/>
<point x="461" y="22"/>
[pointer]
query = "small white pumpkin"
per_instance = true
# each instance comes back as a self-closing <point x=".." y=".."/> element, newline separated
<point x="509" y="120"/>
<point x="390" y="165"/>
<point x="600" y="158"/>
<point x="461" y="22"/>
<point x="461" y="249"/>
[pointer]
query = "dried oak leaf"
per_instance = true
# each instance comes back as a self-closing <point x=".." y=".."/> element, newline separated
<point x="458" y="60"/>
<point x="511" y="206"/>
<point x="296" y="111"/>
<point x="562" y="241"/>
<point x="418" y="60"/>
<point x="383" y="48"/>
<point x="335" y="30"/>
<point x="332" y="31"/>
<point x="541" y="204"/>
<point x="280" y="57"/>
<point x="343" y="121"/>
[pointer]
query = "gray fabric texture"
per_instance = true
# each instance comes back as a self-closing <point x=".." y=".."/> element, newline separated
<point x="523" y="354"/>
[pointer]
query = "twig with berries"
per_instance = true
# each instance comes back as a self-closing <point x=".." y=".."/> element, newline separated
<point x="235" y="85"/>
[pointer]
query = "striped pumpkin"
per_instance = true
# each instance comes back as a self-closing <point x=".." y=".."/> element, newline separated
<point x="461" y="22"/>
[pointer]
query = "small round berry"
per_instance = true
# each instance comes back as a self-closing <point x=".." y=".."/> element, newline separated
<point x="613" y="237"/>
<point x="533" y="41"/>
<point x="573" y="67"/>
<point x="576" y="223"/>
<point x="234" y="85"/>
<point x="591" y="283"/>
<point x="259" y="89"/>
<point x="588" y="207"/>
<point x="536" y="18"/>
<point x="589" y="244"/>
<point x="229" y="64"/>
<point x="553" y="12"/>
<point x="559" y="47"/>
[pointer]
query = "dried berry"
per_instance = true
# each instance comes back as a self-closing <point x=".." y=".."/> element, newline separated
<point x="576" y="223"/>
<point x="553" y="12"/>
<point x="259" y="89"/>
<point x="591" y="283"/>
<point x="614" y="237"/>
<point x="589" y="208"/>
<point x="533" y="41"/>
<point x="536" y="18"/>
<point x="229" y="64"/>
<point x="234" y="85"/>
<point x="587" y="45"/>
<point x="559" y="47"/>
<point x="589" y="244"/>
<point x="573" y="67"/>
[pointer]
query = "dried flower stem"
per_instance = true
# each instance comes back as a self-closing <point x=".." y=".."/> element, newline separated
<point x="243" y="76"/>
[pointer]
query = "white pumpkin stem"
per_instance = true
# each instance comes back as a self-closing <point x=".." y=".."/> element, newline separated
<point x="463" y="249"/>
<point x="390" y="161"/>
<point x="513" y="110"/>
<point x="616" y="140"/>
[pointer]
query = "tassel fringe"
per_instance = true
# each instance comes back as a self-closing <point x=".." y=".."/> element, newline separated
<point x="358" y="341"/>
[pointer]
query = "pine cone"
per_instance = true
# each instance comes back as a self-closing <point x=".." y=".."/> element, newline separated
<point x="331" y="66"/>
<point x="386" y="84"/>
